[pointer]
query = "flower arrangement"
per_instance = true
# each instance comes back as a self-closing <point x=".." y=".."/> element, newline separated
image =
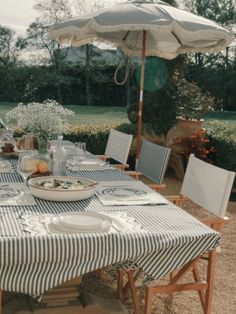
<point x="197" y="144"/>
<point x="42" y="119"/>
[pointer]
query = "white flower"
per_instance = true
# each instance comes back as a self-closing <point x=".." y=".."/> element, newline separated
<point x="43" y="119"/>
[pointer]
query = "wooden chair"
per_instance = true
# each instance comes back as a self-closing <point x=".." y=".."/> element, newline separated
<point x="117" y="148"/>
<point x="209" y="187"/>
<point x="152" y="163"/>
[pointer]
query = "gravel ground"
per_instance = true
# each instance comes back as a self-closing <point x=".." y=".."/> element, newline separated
<point x="186" y="302"/>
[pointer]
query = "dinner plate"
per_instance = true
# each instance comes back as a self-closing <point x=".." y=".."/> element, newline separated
<point x="7" y="192"/>
<point x="122" y="192"/>
<point x="86" y="162"/>
<point x="81" y="222"/>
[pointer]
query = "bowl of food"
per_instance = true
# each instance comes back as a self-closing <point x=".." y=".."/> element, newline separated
<point x="56" y="188"/>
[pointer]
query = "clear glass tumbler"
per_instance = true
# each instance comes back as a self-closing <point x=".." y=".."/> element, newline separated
<point x="80" y="151"/>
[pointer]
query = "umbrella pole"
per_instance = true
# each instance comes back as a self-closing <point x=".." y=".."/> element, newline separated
<point x="140" y="105"/>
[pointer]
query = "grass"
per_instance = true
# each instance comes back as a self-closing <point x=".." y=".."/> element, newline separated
<point x="99" y="115"/>
<point x="227" y="116"/>
<point x="85" y="115"/>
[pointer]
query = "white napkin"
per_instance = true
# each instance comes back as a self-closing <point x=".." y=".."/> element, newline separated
<point x="127" y="193"/>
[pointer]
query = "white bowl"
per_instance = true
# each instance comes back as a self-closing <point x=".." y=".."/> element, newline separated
<point x="61" y="195"/>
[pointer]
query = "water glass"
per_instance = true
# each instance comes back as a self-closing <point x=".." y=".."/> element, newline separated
<point x="80" y="151"/>
<point x="26" y="164"/>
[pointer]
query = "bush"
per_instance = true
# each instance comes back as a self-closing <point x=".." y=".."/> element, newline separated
<point x="222" y="137"/>
<point x="94" y="136"/>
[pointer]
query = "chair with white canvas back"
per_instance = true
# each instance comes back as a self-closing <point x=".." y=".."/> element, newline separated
<point x="210" y="187"/>
<point x="152" y="163"/>
<point x="118" y="147"/>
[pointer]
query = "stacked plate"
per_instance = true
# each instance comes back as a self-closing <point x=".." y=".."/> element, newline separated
<point x="79" y="223"/>
<point x="87" y="164"/>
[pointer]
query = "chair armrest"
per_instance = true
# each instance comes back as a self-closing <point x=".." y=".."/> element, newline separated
<point x="103" y="157"/>
<point x="176" y="199"/>
<point x="121" y="166"/>
<point x="134" y="174"/>
<point x="157" y="187"/>
<point x="215" y="223"/>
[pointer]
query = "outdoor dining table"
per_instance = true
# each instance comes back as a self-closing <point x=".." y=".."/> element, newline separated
<point x="33" y="263"/>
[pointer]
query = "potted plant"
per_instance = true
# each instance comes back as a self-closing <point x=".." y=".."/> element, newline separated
<point x="188" y="136"/>
<point x="191" y="104"/>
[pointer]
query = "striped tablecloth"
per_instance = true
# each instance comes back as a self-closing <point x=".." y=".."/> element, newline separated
<point x="34" y="264"/>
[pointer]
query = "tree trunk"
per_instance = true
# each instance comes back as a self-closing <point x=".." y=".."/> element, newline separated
<point x="128" y="92"/>
<point x="87" y="75"/>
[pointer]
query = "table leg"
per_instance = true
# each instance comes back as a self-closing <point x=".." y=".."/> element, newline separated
<point x="1" y="300"/>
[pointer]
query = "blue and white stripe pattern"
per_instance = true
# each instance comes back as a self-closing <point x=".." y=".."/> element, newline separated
<point x="34" y="264"/>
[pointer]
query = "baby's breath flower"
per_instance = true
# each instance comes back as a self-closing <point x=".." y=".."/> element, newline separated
<point x="43" y="119"/>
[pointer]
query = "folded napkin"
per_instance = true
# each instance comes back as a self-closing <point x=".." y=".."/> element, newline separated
<point x="127" y="193"/>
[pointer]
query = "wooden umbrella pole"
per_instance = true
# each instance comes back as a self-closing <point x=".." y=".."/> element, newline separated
<point x="140" y="105"/>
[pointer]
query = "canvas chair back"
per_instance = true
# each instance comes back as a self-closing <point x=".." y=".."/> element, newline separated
<point x="153" y="161"/>
<point x="207" y="185"/>
<point x="118" y="146"/>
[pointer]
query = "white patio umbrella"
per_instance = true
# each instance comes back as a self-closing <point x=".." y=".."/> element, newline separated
<point x="144" y="29"/>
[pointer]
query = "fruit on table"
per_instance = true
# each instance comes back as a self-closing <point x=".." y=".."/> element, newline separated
<point x="36" y="166"/>
<point x="43" y="167"/>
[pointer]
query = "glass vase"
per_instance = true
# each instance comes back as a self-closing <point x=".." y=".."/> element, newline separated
<point x="42" y="158"/>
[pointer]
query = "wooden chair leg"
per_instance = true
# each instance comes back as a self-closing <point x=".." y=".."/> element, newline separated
<point x="197" y="278"/>
<point x="210" y="280"/>
<point x="133" y="289"/>
<point x="1" y="300"/>
<point x="120" y="285"/>
<point x="172" y="274"/>
<point x="148" y="301"/>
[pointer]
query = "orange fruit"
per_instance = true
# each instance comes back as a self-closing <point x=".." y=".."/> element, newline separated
<point x="43" y="167"/>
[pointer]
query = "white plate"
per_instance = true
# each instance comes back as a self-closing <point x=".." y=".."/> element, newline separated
<point x="124" y="193"/>
<point x="81" y="222"/>
<point x="6" y="192"/>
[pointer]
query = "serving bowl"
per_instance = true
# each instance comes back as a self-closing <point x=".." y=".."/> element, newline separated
<point x="68" y="188"/>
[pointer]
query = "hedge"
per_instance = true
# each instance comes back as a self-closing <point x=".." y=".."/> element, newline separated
<point x="222" y="136"/>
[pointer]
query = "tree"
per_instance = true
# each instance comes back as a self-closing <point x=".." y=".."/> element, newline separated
<point x="10" y="46"/>
<point x="216" y="72"/>
<point x="37" y="34"/>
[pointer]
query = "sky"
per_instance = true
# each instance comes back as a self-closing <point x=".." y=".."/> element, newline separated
<point x="17" y="14"/>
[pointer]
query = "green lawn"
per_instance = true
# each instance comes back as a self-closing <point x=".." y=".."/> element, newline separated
<point x="227" y="116"/>
<point x="84" y="114"/>
<point x="99" y="115"/>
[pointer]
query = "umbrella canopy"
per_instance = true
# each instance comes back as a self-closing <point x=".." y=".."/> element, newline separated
<point x="145" y="29"/>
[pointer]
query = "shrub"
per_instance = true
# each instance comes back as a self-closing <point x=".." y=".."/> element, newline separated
<point x="222" y="137"/>
<point x="192" y="103"/>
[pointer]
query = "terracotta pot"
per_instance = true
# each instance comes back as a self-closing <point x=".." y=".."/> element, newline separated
<point x="182" y="129"/>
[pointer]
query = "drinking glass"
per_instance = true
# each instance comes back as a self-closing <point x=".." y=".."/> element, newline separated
<point x="27" y="164"/>
<point x="80" y="151"/>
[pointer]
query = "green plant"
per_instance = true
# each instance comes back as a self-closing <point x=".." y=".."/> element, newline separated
<point x="191" y="102"/>
<point x="222" y="136"/>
